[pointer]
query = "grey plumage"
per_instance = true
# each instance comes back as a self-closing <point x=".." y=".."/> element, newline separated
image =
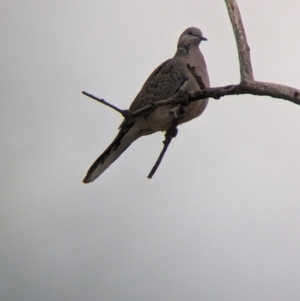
<point x="163" y="83"/>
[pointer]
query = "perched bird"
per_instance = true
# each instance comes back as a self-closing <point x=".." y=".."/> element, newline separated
<point x="171" y="76"/>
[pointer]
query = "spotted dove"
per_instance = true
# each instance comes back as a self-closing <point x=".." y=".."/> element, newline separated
<point x="171" y="76"/>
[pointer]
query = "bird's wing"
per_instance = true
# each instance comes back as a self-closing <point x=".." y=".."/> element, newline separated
<point x="163" y="83"/>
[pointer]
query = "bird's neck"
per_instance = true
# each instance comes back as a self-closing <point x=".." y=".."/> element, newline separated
<point x="184" y="50"/>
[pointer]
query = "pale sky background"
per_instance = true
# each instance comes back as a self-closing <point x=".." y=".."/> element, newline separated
<point x="219" y="221"/>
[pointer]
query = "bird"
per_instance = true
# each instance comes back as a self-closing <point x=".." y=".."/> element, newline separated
<point x="165" y="81"/>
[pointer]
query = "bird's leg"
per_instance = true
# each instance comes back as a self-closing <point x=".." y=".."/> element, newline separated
<point x="174" y="111"/>
<point x="178" y="111"/>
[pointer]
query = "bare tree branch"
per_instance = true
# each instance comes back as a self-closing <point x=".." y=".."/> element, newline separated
<point x="254" y="88"/>
<point x="241" y="41"/>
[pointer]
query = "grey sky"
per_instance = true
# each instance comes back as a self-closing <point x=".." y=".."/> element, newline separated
<point x="220" y="218"/>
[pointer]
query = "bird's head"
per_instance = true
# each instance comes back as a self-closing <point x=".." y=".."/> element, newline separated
<point x="192" y="36"/>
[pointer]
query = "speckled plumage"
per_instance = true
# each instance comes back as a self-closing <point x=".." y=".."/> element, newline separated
<point x="182" y="51"/>
<point x="163" y="83"/>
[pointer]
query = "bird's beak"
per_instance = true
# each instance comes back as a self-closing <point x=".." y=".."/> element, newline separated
<point x="203" y="39"/>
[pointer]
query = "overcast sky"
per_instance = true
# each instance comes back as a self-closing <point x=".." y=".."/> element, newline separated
<point x="219" y="220"/>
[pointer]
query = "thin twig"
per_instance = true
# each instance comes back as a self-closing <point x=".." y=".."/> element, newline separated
<point x="166" y="142"/>
<point x="123" y="112"/>
<point x="241" y="41"/>
<point x="170" y="134"/>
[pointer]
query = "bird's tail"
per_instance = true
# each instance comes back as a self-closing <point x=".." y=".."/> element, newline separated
<point x="122" y="141"/>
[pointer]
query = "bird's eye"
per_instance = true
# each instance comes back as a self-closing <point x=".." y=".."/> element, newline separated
<point x="190" y="33"/>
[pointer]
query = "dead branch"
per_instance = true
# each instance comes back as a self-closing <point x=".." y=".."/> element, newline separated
<point x="241" y="41"/>
<point x="254" y="88"/>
